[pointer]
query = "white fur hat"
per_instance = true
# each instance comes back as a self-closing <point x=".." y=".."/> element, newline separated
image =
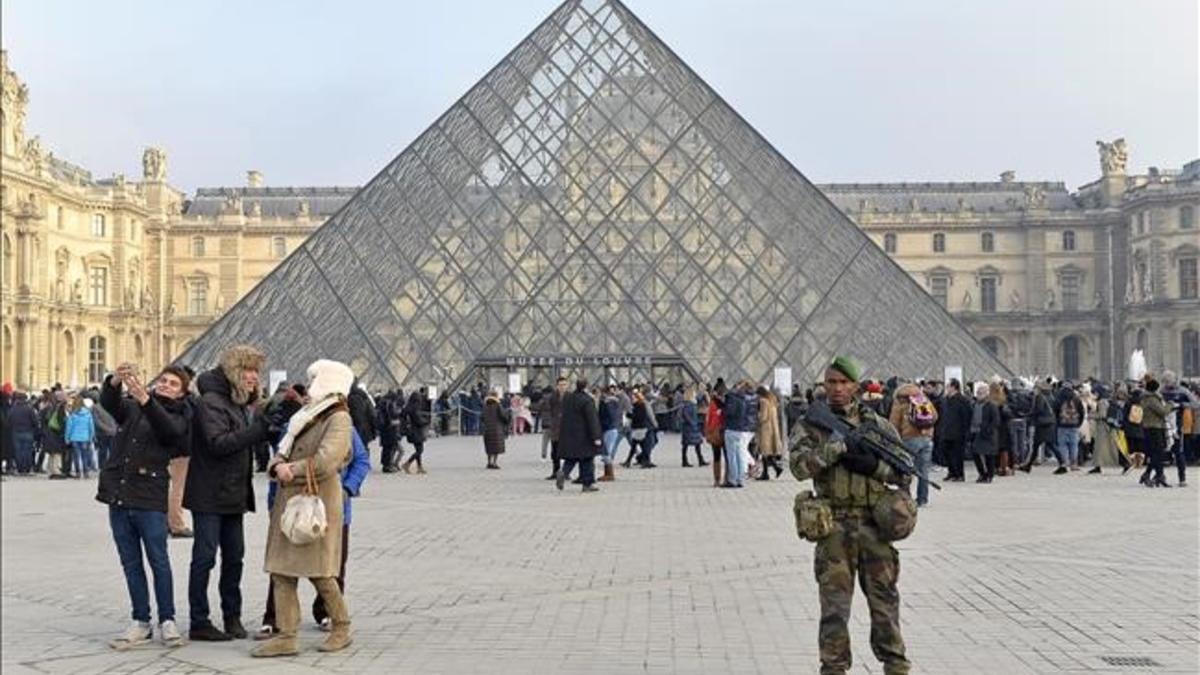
<point x="327" y="377"/>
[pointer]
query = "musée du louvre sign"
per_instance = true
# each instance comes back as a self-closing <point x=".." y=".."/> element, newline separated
<point x="614" y="360"/>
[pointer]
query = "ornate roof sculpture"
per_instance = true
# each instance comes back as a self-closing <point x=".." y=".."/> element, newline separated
<point x="591" y="194"/>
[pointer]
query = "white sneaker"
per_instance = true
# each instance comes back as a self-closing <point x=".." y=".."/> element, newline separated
<point x="138" y="633"/>
<point x="168" y="632"/>
<point x="325" y="625"/>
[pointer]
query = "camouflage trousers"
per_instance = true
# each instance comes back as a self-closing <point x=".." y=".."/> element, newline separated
<point x="854" y="549"/>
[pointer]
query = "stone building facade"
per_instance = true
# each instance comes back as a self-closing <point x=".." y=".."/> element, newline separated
<point x="97" y="271"/>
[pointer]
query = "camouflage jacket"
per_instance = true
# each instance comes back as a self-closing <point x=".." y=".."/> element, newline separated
<point x="814" y="454"/>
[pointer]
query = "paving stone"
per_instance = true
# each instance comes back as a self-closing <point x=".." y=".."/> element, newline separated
<point x="466" y="570"/>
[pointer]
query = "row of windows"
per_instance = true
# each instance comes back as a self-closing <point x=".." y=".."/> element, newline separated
<point x="278" y="247"/>
<point x="987" y="242"/>
<point x="1069" y="287"/>
<point x="100" y="225"/>
<point x="1187" y="219"/>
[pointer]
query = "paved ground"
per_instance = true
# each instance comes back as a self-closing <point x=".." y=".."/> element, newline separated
<point x="467" y="570"/>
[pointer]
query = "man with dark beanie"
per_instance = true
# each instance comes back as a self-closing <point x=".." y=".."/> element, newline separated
<point x="1154" y="421"/>
<point x="219" y="490"/>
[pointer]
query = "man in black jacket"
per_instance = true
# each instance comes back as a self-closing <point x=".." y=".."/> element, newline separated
<point x="578" y="437"/>
<point x="953" y="424"/>
<point x="154" y="427"/>
<point x="219" y="489"/>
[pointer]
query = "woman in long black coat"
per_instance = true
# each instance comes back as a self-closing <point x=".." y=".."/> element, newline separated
<point x="579" y="437"/>
<point x="985" y="433"/>
<point x="495" y="426"/>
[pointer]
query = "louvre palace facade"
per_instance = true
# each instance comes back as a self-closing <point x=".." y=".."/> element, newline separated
<point x="593" y="202"/>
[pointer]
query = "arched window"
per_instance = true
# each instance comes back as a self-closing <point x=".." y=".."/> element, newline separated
<point x="98" y="285"/>
<point x="939" y="243"/>
<point x="1187" y="217"/>
<point x="987" y="242"/>
<point x="889" y="242"/>
<point x="1190" y="342"/>
<point x="198" y="297"/>
<point x="1068" y="240"/>
<point x="97" y="346"/>
<point x="10" y="263"/>
<point x="1189" y="283"/>
<point x="1070" y="357"/>
<point x="279" y="247"/>
<point x="987" y="293"/>
<point x="197" y="247"/>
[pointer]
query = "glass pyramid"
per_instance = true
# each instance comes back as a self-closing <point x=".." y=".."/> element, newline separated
<point x="591" y="195"/>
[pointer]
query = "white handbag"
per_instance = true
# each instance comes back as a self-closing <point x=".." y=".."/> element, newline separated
<point x="304" y="520"/>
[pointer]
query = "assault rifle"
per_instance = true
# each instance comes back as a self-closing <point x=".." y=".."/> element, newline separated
<point x="868" y="436"/>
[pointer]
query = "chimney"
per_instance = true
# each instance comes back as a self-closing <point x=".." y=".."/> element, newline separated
<point x="254" y="178"/>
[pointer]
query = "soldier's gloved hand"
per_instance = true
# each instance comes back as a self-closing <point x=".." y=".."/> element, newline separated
<point x="852" y="442"/>
<point x="859" y="461"/>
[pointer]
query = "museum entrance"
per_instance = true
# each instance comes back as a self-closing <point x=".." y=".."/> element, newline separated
<point x="540" y="371"/>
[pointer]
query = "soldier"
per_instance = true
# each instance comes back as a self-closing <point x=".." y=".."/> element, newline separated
<point x="849" y="481"/>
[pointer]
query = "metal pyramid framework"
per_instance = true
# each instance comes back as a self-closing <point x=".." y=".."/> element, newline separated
<point x="591" y="194"/>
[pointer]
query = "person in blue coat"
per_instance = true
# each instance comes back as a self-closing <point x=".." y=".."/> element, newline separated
<point x="352" y="479"/>
<point x="80" y="434"/>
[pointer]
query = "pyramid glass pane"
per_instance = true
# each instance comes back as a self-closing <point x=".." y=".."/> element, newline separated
<point x="591" y="195"/>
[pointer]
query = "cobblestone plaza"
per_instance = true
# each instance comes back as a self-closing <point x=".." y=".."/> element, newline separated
<point x="466" y="570"/>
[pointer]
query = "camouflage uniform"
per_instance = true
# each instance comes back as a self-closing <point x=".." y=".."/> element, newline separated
<point x="853" y="547"/>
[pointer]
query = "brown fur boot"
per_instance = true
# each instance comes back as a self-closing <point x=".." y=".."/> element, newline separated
<point x="339" y="615"/>
<point x="287" y="618"/>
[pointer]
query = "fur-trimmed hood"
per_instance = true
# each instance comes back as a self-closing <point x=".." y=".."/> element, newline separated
<point x="236" y="359"/>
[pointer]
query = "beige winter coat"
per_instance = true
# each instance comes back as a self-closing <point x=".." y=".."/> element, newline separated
<point x="770" y="435"/>
<point x="326" y="443"/>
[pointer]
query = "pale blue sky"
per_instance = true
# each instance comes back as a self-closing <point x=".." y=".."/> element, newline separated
<point x="325" y="93"/>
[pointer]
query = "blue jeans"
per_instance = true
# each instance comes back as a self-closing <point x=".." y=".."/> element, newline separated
<point x="81" y="456"/>
<point x="611" y="439"/>
<point x="133" y="530"/>
<point x="23" y="446"/>
<point x="1018" y="440"/>
<point x="210" y="531"/>
<point x="1068" y="446"/>
<point x="921" y="449"/>
<point x="735" y="469"/>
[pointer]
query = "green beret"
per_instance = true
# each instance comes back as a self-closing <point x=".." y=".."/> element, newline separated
<point x="846" y="366"/>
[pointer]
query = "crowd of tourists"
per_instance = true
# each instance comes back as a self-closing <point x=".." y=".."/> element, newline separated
<point x="191" y="442"/>
<point x="1000" y="426"/>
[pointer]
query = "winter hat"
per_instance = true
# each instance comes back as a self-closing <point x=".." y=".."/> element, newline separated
<point x="87" y="403"/>
<point x="236" y="359"/>
<point x="327" y="377"/>
<point x="846" y="366"/>
<point x="7" y="389"/>
<point x="874" y="388"/>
